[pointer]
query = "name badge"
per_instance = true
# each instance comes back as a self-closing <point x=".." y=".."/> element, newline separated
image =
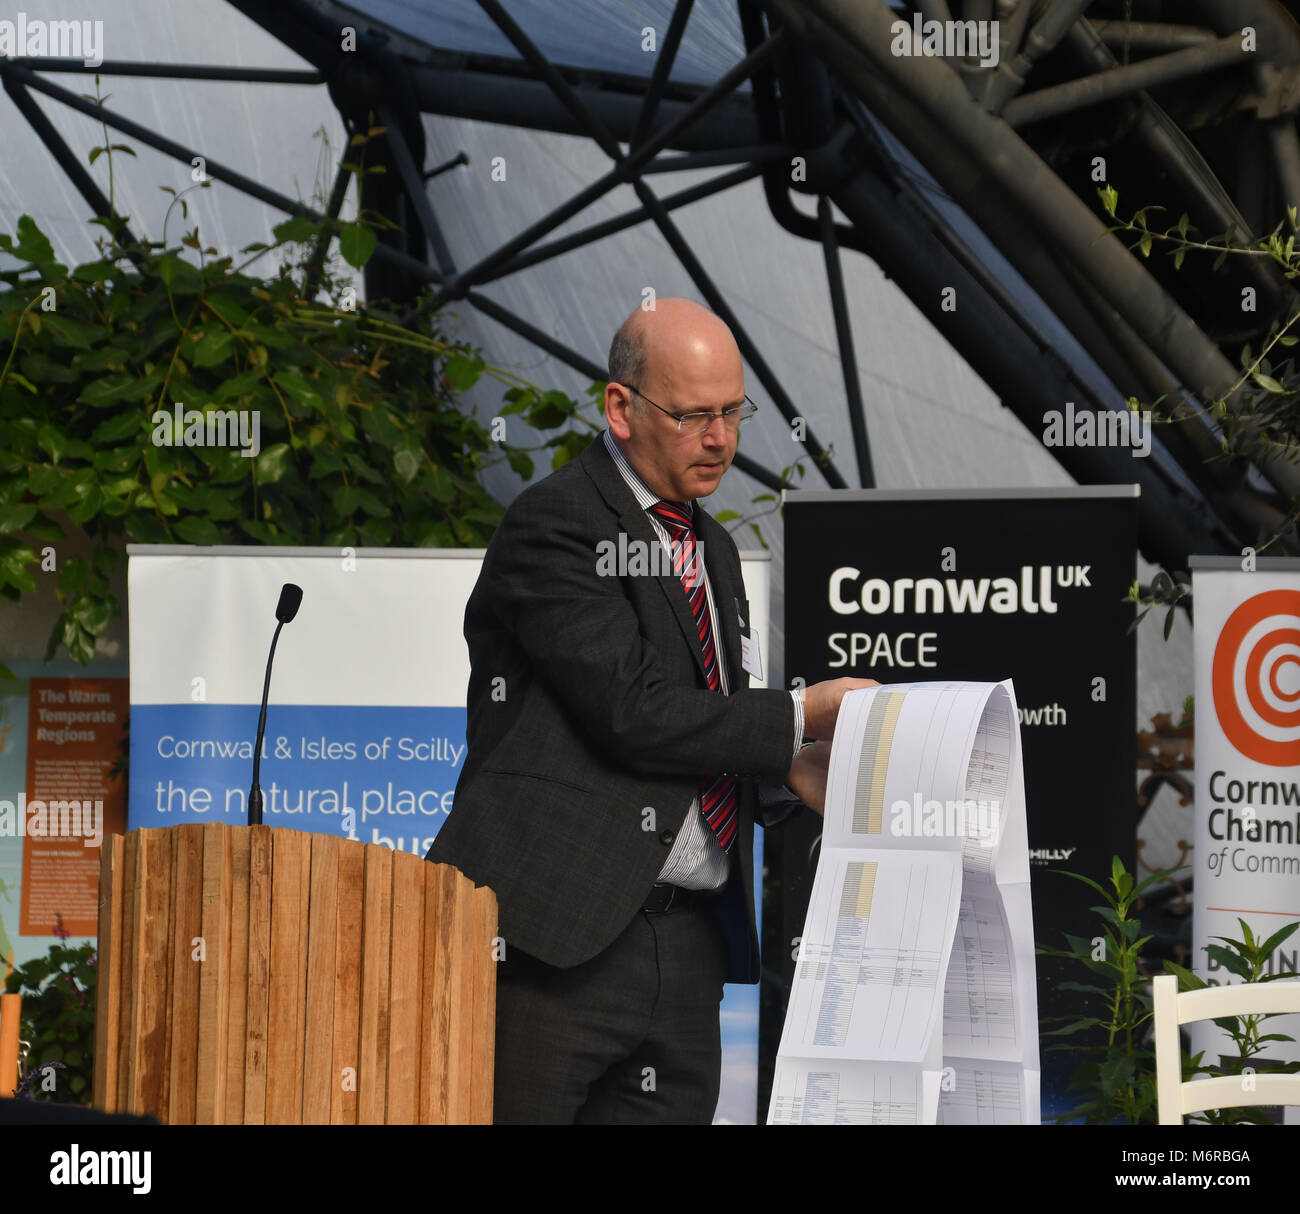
<point x="750" y="658"/>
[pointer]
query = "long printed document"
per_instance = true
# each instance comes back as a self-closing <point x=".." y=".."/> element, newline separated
<point x="914" y="1000"/>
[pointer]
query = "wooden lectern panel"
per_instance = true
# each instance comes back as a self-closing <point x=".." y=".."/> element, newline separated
<point x="239" y="852"/>
<point x="483" y="1023"/>
<point x="286" y="1004"/>
<point x="318" y="1079"/>
<point x="183" y="946"/>
<point x="406" y="951"/>
<point x="148" y="986"/>
<point x="214" y="976"/>
<point x="251" y="975"/>
<point x="108" y="981"/>
<point x="347" y="982"/>
<point x="376" y="936"/>
<point x="257" y="993"/>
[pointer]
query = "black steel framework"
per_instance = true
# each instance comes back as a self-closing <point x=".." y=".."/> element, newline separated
<point x="822" y="86"/>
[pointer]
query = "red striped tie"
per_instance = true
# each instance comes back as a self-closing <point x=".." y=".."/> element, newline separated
<point x="717" y="793"/>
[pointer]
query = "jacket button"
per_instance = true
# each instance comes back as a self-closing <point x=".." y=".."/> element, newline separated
<point x="666" y="837"/>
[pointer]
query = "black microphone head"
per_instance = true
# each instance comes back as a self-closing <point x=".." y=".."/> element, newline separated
<point x="290" y="601"/>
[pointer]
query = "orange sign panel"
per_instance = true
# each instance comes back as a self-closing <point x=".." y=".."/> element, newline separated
<point x="76" y="730"/>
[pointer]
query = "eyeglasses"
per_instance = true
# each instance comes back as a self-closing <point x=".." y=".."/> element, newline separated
<point x="694" y="424"/>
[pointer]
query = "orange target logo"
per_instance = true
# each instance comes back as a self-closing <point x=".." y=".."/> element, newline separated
<point x="1256" y="678"/>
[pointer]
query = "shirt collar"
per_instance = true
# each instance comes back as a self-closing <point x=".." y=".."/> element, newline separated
<point x="645" y="496"/>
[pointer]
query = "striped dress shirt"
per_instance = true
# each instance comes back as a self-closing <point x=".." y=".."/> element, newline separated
<point x="697" y="860"/>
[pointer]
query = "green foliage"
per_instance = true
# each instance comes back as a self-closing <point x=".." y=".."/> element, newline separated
<point x="1115" y="1079"/>
<point x="58" y="1019"/>
<point x="1165" y="591"/>
<point x="1257" y="417"/>
<point x="361" y="438"/>
<point x="1247" y="958"/>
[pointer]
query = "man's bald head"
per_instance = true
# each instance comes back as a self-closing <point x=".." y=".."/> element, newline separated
<point x="680" y="358"/>
<point x="674" y="339"/>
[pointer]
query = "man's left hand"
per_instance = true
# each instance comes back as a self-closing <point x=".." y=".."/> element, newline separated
<point x="807" y="778"/>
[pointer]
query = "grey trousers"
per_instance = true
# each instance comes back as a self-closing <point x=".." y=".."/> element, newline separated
<point x="630" y="1037"/>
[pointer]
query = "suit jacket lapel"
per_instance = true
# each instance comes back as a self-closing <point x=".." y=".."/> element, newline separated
<point x="604" y="473"/>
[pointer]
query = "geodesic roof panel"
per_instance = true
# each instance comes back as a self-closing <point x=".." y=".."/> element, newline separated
<point x="597" y="35"/>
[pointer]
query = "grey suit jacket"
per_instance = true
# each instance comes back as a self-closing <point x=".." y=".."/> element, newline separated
<point x="590" y="722"/>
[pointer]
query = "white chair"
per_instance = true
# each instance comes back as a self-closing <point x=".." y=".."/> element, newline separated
<point x="1175" y="1099"/>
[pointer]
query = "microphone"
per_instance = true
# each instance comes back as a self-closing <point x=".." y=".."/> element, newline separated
<point x="285" y="610"/>
<point x="290" y="601"/>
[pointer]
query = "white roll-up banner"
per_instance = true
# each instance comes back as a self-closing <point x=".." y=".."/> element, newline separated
<point x="1247" y="866"/>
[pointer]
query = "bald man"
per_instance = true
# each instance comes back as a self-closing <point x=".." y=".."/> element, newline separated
<point x="617" y="759"/>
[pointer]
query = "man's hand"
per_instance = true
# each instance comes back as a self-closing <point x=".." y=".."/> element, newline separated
<point x="807" y="778"/>
<point x="821" y="704"/>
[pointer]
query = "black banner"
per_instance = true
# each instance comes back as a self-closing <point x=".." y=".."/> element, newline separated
<point x="910" y="586"/>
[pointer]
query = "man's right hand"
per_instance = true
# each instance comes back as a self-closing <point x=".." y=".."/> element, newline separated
<point x="821" y="704"/>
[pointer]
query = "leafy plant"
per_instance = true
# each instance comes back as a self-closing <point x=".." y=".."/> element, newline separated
<point x="1247" y="958"/>
<point x="1257" y="417"/>
<point x="1116" y="1079"/>
<point x="352" y="430"/>
<point x="1165" y="591"/>
<point x="58" y="1020"/>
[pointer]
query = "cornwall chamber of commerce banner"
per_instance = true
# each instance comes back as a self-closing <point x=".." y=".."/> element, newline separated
<point x="365" y="732"/>
<point x="1247" y="640"/>
<point x="981" y="586"/>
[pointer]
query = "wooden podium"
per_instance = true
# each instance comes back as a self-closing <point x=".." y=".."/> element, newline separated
<point x="258" y="975"/>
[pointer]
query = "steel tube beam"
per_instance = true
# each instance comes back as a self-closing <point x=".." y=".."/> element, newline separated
<point x="856" y="38"/>
<point x="759" y="153"/>
<point x="1092" y="322"/>
<point x="934" y="10"/>
<point x="1010" y="78"/>
<point x="1189" y="174"/>
<point x="622" y="173"/>
<point x="895" y="226"/>
<point x="317" y="263"/>
<point x="409" y="172"/>
<point x="67" y="160"/>
<point x="1121" y="81"/>
<point x="1025" y="372"/>
<point x="663" y="65"/>
<point x="844" y="340"/>
<point x="1285" y="145"/>
<point x="177" y="71"/>
<point x="1151" y="35"/>
<point x="216" y="170"/>
<point x="1013" y="20"/>
<point x="513" y="101"/>
<point x="663" y="221"/>
<point x="619" y="223"/>
<point x="1274" y="27"/>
